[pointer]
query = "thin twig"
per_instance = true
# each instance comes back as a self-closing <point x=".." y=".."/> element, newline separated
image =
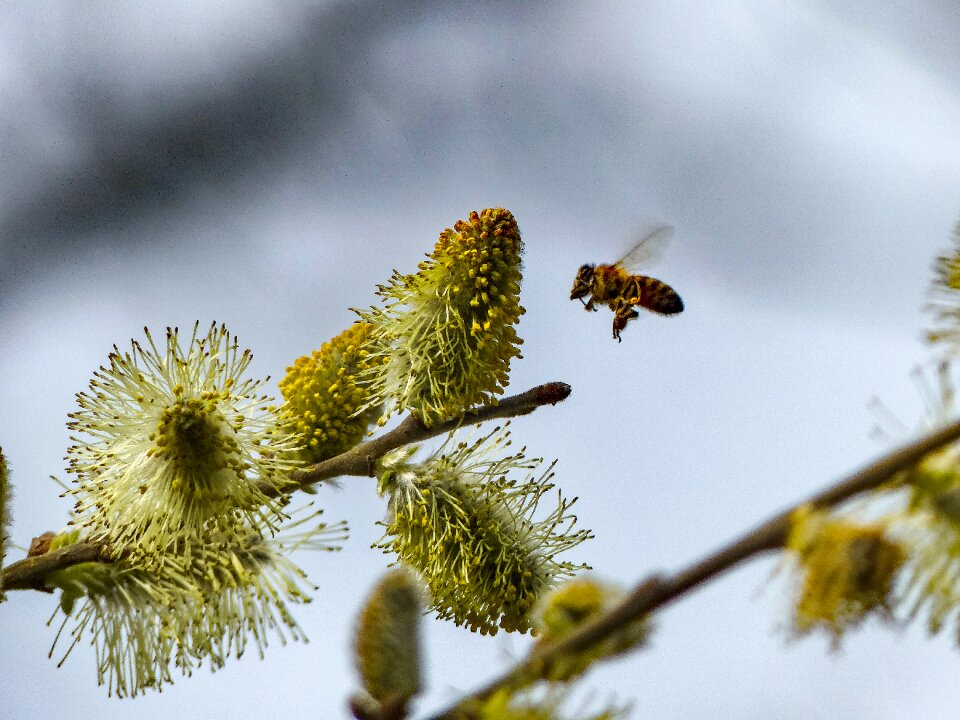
<point x="360" y="460"/>
<point x="658" y="590"/>
<point x="28" y="574"/>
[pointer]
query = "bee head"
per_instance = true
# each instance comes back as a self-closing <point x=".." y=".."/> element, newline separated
<point x="582" y="282"/>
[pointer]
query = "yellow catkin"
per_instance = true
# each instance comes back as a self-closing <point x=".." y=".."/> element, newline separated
<point x="325" y="394"/>
<point x="847" y="571"/>
<point x="447" y="332"/>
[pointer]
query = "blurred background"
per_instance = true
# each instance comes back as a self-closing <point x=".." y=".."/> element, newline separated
<point x="265" y="164"/>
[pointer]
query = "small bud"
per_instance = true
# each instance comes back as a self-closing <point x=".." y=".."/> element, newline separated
<point x="42" y="544"/>
<point x="388" y="639"/>
<point x="364" y="707"/>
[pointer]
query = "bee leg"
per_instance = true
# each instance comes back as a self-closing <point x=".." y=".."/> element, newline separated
<point x="622" y="315"/>
<point x="619" y="323"/>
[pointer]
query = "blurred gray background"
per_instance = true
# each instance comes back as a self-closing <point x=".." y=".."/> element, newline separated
<point x="265" y="164"/>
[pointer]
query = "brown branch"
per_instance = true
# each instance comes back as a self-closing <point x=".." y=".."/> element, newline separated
<point x="360" y="460"/>
<point x="658" y="590"/>
<point x="29" y="573"/>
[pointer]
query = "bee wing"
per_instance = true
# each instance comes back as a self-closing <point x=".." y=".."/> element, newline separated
<point x="648" y="251"/>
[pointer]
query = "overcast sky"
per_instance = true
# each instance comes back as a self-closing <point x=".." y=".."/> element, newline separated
<point x="266" y="165"/>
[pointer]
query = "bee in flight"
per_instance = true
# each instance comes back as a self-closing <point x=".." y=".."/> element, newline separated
<point x="617" y="287"/>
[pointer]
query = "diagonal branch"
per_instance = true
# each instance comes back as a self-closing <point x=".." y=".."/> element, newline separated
<point x="29" y="573"/>
<point x="360" y="460"/>
<point x="658" y="590"/>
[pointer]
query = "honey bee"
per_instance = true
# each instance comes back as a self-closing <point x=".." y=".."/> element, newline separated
<point x="617" y="287"/>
